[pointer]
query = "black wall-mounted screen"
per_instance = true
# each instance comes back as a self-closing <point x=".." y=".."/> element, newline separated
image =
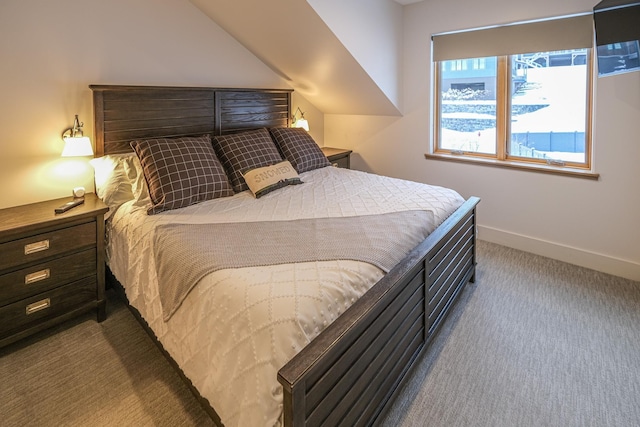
<point x="617" y="21"/>
<point x="617" y="26"/>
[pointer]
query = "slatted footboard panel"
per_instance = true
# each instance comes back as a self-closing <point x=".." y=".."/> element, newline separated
<point x="348" y="373"/>
<point x="449" y="266"/>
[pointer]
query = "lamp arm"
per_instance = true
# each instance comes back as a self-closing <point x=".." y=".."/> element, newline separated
<point x="293" y="118"/>
<point x="73" y="132"/>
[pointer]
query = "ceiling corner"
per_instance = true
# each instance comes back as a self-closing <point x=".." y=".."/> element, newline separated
<point x="299" y="46"/>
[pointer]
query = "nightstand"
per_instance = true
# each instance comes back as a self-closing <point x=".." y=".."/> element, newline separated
<point x="52" y="265"/>
<point x="339" y="157"/>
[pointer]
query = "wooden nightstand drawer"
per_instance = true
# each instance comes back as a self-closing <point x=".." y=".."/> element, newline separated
<point x="339" y="157"/>
<point x="50" y="304"/>
<point x="41" y="246"/>
<point x="341" y="162"/>
<point x="47" y="275"/>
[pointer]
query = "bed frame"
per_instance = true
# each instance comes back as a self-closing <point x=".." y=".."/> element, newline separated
<point x="348" y="373"/>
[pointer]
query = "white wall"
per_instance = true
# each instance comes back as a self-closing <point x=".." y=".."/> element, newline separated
<point x="50" y="51"/>
<point x="372" y="31"/>
<point x="292" y="38"/>
<point x="589" y="223"/>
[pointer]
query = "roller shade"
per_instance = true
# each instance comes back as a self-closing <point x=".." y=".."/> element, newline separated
<point x="574" y="32"/>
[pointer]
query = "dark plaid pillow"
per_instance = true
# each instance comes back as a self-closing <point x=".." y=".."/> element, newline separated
<point x="240" y="152"/>
<point x="299" y="148"/>
<point x="181" y="172"/>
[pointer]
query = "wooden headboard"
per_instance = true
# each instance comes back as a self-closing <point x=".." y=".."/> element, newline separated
<point x="125" y="113"/>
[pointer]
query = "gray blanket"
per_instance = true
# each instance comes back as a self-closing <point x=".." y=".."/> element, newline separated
<point x="185" y="253"/>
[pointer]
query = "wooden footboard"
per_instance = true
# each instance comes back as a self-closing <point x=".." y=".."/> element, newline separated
<point x="347" y="374"/>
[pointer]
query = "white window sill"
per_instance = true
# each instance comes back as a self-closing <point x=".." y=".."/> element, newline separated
<point x="510" y="164"/>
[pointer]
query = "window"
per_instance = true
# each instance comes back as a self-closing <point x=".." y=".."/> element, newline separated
<point x="524" y="100"/>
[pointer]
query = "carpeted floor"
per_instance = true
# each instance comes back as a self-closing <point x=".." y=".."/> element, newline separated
<point x="534" y="342"/>
<point x="85" y="373"/>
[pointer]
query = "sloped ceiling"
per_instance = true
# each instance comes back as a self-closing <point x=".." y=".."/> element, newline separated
<point x="290" y="37"/>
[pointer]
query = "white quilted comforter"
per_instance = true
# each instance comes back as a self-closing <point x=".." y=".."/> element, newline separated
<point x="238" y="327"/>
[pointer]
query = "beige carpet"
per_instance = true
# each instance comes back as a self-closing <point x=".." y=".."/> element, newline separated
<point x="534" y="342"/>
<point x="85" y="373"/>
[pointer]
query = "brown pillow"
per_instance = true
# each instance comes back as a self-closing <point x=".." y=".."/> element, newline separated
<point x="299" y="148"/>
<point x="181" y="172"/>
<point x="240" y="152"/>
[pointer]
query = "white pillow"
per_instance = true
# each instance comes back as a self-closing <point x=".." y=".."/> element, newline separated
<point x="112" y="184"/>
<point x="135" y="174"/>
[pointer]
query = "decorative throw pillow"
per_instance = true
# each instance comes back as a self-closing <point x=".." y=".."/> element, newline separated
<point x="181" y="172"/>
<point x="240" y="152"/>
<point x="299" y="148"/>
<point x="268" y="178"/>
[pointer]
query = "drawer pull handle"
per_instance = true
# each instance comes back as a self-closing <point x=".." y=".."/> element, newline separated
<point x="37" y="276"/>
<point x="40" y="246"/>
<point x="37" y="306"/>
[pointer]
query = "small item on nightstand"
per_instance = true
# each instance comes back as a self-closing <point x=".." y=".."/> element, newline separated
<point x="69" y="205"/>
<point x="78" y="192"/>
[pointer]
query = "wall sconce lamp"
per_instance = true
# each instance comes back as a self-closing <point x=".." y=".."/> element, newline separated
<point x="300" y="122"/>
<point x="75" y="143"/>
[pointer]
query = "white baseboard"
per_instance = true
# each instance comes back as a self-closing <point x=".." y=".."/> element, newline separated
<point x="604" y="263"/>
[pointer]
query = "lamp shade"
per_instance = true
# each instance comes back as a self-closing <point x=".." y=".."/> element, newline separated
<point x="77" y="147"/>
<point x="302" y="123"/>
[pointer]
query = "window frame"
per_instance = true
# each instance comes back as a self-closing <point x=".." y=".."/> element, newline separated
<point x="502" y="158"/>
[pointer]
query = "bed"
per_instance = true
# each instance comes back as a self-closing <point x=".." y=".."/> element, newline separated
<point x="347" y="357"/>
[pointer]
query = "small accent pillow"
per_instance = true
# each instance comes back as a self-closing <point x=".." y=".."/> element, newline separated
<point x="240" y="152"/>
<point x="268" y="178"/>
<point x="299" y="148"/>
<point x="181" y="172"/>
